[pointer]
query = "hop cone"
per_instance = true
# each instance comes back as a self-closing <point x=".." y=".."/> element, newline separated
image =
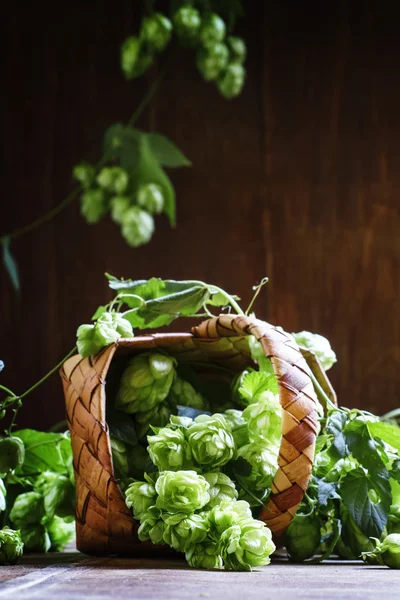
<point x="11" y="546"/>
<point x="211" y="440"/>
<point x="181" y="491"/>
<point x="183" y="530"/>
<point x="169" y="450"/>
<point x="221" y="488"/>
<point x="246" y="545"/>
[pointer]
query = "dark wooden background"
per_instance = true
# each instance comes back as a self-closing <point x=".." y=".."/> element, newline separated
<point x="298" y="179"/>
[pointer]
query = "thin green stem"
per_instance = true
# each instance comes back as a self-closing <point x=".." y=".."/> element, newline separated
<point x="5" y="389"/>
<point x="257" y="289"/>
<point x="393" y="414"/>
<point x="321" y="394"/>
<point x="53" y="370"/>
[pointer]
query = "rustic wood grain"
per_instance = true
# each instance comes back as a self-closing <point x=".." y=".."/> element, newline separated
<point x="298" y="179"/>
<point x="54" y="576"/>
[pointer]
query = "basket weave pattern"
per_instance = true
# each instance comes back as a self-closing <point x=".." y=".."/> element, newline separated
<point x="104" y="524"/>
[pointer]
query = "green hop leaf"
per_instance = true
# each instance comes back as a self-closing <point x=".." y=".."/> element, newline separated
<point x="137" y="226"/>
<point x="183" y="531"/>
<point x="150" y="197"/>
<point x="156" y="32"/>
<point x="187" y="23"/>
<point x="119" y="206"/>
<point x="238" y="49"/>
<point x="152" y="526"/>
<point x="181" y="491"/>
<point x="12" y="454"/>
<point x="246" y="545"/>
<point x="28" y="509"/>
<point x="319" y="345"/>
<point x="183" y="393"/>
<point x="231" y="82"/>
<point x="221" y="488"/>
<point x="211" y="62"/>
<point x="36" y="538"/>
<point x="134" y="59"/>
<point x="169" y="450"/>
<point x="264" y="419"/>
<point x="140" y="496"/>
<point x="302" y="537"/>
<point x="204" y="556"/>
<point x="11" y="546"/>
<point x="58" y="492"/>
<point x="238" y="423"/>
<point x="263" y="458"/>
<point x="228" y="513"/>
<point x="249" y="385"/>
<point x="211" y="441"/>
<point x="93" y="205"/>
<point x="145" y="382"/>
<point x="212" y="30"/>
<point x="85" y="174"/>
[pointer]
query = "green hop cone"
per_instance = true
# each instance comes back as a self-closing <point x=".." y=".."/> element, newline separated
<point x="120" y="455"/>
<point x="137" y="226"/>
<point x="134" y="59"/>
<point x="263" y="458"/>
<point x="85" y="174"/>
<point x="302" y="537"/>
<point x="61" y="532"/>
<point x="169" y="450"/>
<point x="93" y="205"/>
<point x="237" y="48"/>
<point x="140" y="495"/>
<point x="221" y="488"/>
<point x="238" y="423"/>
<point x="145" y="382"/>
<point x="181" y="491"/>
<point x="231" y="82"/>
<point x="108" y="328"/>
<point x="387" y="551"/>
<point x="319" y="345"/>
<point x="11" y="546"/>
<point x="183" y="393"/>
<point x="12" y="454"/>
<point x="183" y="530"/>
<point x="156" y="32"/>
<point x="258" y="354"/>
<point x="35" y="538"/>
<point x="187" y="23"/>
<point x="212" y="30"/>
<point x="211" y="441"/>
<point x="211" y="62"/>
<point x="176" y="422"/>
<point x="393" y="524"/>
<point x="150" y="197"/>
<point x="204" y="556"/>
<point x="119" y="206"/>
<point x="28" y="509"/>
<point x="246" y="545"/>
<point x="158" y="416"/>
<point x="113" y="179"/>
<point x="264" y="419"/>
<point x="152" y="526"/>
<point x="228" y="513"/>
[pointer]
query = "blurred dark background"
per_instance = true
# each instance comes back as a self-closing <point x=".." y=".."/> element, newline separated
<point x="297" y="179"/>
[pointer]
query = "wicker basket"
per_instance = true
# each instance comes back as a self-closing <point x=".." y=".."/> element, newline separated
<point x="103" y="522"/>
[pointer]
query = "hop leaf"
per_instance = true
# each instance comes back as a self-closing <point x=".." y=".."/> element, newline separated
<point x="28" y="509"/>
<point x="137" y="226"/>
<point x="231" y="82"/>
<point x="35" y="538"/>
<point x="183" y="531"/>
<point x="211" y="62"/>
<point x="145" y="382"/>
<point x="140" y="496"/>
<point x="150" y="197"/>
<point x="181" y="491"/>
<point x="169" y="450"/>
<point x="93" y="205"/>
<point x="212" y="30"/>
<point x="246" y="545"/>
<point x="61" y="533"/>
<point x="221" y="488"/>
<point x="11" y="546"/>
<point x="211" y="440"/>
<point x="156" y="32"/>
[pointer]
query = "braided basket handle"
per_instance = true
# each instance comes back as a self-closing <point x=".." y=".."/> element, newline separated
<point x="299" y="414"/>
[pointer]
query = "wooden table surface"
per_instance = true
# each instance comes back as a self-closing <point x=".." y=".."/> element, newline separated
<point x="72" y="576"/>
